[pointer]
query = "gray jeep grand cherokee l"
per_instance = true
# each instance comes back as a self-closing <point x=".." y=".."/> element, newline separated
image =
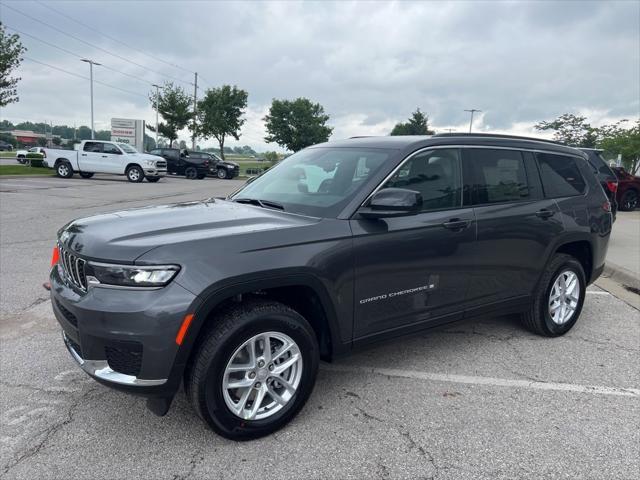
<point x="340" y="245"/>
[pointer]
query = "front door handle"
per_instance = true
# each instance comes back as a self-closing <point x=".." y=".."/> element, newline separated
<point x="104" y="156"/>
<point x="544" y="213"/>
<point x="83" y="154"/>
<point x="456" y="224"/>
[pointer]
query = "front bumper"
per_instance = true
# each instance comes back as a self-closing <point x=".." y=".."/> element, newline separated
<point x="124" y="338"/>
<point x="101" y="370"/>
<point x="155" y="172"/>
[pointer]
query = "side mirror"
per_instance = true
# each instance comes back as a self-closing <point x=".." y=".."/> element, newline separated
<point x="392" y="202"/>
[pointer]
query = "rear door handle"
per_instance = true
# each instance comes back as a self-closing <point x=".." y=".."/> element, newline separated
<point x="104" y="156"/>
<point x="83" y="154"/>
<point x="544" y="213"/>
<point x="456" y="224"/>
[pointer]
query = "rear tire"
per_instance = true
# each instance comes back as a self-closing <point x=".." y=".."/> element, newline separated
<point x="135" y="174"/>
<point x="191" y="173"/>
<point x="64" y="170"/>
<point x="554" y="310"/>
<point x="629" y="201"/>
<point x="225" y="346"/>
<point x="86" y="174"/>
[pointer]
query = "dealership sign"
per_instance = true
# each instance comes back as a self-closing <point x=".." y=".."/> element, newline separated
<point x="124" y="130"/>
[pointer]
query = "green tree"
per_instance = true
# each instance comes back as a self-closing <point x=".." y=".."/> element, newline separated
<point x="418" y="124"/>
<point x="56" y="141"/>
<point x="11" y="50"/>
<point x="182" y="145"/>
<point x="296" y="124"/>
<point x="174" y="105"/>
<point x="7" y="137"/>
<point x="220" y="114"/>
<point x="41" y="141"/>
<point x="617" y="140"/>
<point x="572" y="130"/>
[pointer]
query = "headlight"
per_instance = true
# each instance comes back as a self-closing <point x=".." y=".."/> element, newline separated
<point x="150" y="163"/>
<point x="130" y="275"/>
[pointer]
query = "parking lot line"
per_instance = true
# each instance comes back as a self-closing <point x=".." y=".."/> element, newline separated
<point x="597" y="292"/>
<point x="490" y="381"/>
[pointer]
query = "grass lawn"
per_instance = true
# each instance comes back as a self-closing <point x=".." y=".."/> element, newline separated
<point x="22" y="170"/>
<point x="4" y="154"/>
<point x="250" y="164"/>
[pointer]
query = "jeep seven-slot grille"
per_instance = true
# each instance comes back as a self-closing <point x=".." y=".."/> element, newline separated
<point x="74" y="268"/>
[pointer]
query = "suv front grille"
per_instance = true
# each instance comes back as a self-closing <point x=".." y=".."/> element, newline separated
<point x="161" y="164"/>
<point x="74" y="268"/>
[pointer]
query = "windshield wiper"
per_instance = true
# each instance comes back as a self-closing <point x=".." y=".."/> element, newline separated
<point x="261" y="203"/>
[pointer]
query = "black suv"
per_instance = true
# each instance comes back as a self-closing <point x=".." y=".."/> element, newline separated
<point x="218" y="167"/>
<point x="340" y="245"/>
<point x="179" y="162"/>
<point x="605" y="175"/>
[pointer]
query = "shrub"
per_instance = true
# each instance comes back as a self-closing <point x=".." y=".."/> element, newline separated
<point x="35" y="159"/>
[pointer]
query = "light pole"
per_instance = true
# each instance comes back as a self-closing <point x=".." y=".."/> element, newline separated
<point x="472" y="111"/>
<point x="157" y="98"/>
<point x="91" y="64"/>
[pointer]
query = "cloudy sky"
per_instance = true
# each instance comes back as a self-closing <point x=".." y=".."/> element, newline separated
<point x="370" y="64"/>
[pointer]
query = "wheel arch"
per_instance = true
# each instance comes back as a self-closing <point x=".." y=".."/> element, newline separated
<point x="303" y="293"/>
<point x="582" y="250"/>
<point x="132" y="164"/>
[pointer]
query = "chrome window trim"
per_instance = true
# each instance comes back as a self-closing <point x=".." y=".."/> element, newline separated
<point x="440" y="147"/>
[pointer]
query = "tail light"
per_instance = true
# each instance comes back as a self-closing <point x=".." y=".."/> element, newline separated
<point x="606" y="206"/>
<point x="612" y="186"/>
<point x="206" y="163"/>
<point x="55" y="256"/>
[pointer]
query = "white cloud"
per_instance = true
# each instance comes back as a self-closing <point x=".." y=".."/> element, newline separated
<point x="370" y="64"/>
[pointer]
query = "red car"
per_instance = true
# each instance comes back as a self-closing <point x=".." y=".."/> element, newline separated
<point x="628" y="192"/>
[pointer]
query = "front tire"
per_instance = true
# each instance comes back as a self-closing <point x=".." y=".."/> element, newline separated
<point x="64" y="170"/>
<point x="242" y="389"/>
<point x="221" y="173"/>
<point x="558" y="299"/>
<point x="135" y="174"/>
<point x="629" y="201"/>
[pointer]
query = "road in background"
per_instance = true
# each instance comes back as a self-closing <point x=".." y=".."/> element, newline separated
<point x="482" y="399"/>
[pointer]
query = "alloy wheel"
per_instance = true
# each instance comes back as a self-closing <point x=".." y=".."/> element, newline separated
<point x="564" y="297"/>
<point x="262" y="376"/>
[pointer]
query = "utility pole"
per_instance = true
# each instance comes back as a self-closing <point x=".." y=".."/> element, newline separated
<point x="195" y="110"/>
<point x="91" y="64"/>
<point x="157" y="98"/>
<point x="472" y="111"/>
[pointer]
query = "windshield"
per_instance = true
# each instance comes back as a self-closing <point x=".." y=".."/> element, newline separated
<point x="319" y="181"/>
<point x="127" y="148"/>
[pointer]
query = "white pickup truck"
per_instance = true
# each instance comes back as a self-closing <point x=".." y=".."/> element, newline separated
<point x="96" y="156"/>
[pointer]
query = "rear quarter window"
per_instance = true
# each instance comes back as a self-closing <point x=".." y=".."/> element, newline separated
<point x="560" y="175"/>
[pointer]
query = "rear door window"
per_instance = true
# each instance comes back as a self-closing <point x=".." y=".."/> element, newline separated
<point x="94" y="147"/>
<point x="561" y="176"/>
<point x="496" y="176"/>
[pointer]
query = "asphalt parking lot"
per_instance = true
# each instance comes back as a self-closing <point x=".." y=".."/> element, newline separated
<point x="483" y="399"/>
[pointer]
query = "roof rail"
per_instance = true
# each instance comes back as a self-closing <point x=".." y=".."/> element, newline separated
<point x="498" y="135"/>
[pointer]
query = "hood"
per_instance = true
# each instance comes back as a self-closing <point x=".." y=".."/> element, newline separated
<point x="148" y="156"/>
<point x="124" y="236"/>
<point x="232" y="164"/>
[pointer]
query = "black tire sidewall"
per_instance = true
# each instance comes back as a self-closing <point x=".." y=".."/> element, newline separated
<point x="191" y="173"/>
<point x="628" y="193"/>
<point x="218" y="414"/>
<point x="552" y="327"/>
<point x="221" y="173"/>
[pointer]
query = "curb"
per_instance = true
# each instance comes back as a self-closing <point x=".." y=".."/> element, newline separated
<point x="621" y="275"/>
